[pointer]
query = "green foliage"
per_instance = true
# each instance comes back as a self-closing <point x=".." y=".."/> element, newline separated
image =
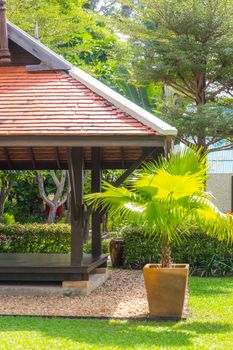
<point x="146" y="97"/>
<point x="39" y="238"/>
<point x="139" y="249"/>
<point x="84" y="38"/>
<point x="24" y="201"/>
<point x="215" y="120"/>
<point x="105" y="247"/>
<point x="206" y="255"/>
<point x="187" y="45"/>
<point x="209" y="326"/>
<point x="8" y="219"/>
<point x="35" y="238"/>
<point x="168" y="199"/>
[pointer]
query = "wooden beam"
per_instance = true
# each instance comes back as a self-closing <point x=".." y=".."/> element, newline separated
<point x="75" y="160"/>
<point x="81" y="141"/>
<point x="146" y="153"/>
<point x="96" y="187"/>
<point x="52" y="165"/>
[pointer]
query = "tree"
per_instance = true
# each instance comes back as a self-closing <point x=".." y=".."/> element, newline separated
<point x="58" y="197"/>
<point x="187" y="45"/>
<point x="9" y="181"/>
<point x="168" y="199"/>
<point x="81" y="36"/>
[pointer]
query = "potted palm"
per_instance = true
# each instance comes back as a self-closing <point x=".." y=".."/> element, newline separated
<point x="168" y="198"/>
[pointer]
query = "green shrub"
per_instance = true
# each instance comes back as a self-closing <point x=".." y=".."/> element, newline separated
<point x="206" y="256"/>
<point x="8" y="219"/>
<point x="39" y="238"/>
<point x="105" y="247"/>
<point x="35" y="238"/>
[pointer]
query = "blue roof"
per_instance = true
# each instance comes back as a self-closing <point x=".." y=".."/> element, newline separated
<point x="220" y="162"/>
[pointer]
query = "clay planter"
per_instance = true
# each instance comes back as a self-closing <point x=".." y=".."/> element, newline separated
<point x="166" y="288"/>
<point x="116" y="247"/>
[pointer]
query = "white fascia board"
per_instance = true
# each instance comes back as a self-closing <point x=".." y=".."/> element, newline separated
<point x="36" y="48"/>
<point x="123" y="103"/>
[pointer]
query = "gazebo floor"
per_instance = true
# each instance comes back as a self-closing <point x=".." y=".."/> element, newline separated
<point x="46" y="267"/>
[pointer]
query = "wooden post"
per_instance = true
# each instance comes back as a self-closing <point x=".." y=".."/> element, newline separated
<point x="169" y="145"/>
<point x="96" y="187"/>
<point x="75" y="160"/>
<point x="4" y="50"/>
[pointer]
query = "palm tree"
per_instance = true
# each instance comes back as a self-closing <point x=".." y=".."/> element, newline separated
<point x="168" y="198"/>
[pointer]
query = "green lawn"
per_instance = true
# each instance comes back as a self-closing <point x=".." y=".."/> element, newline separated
<point x="210" y="326"/>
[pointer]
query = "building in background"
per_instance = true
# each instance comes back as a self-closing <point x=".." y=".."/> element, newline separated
<point x="220" y="179"/>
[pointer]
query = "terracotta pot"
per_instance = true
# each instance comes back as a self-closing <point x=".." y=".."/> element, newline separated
<point x="166" y="288"/>
<point x="116" y="247"/>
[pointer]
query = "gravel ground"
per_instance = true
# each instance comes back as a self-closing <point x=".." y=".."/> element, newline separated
<point x="123" y="295"/>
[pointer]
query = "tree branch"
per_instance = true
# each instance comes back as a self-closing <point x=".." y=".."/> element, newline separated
<point x="55" y="178"/>
<point x="42" y="190"/>
<point x="185" y="141"/>
<point x="221" y="148"/>
<point x="186" y="83"/>
<point x="180" y="89"/>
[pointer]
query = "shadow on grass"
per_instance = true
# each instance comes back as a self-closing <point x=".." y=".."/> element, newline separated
<point x="210" y="287"/>
<point x="114" y="333"/>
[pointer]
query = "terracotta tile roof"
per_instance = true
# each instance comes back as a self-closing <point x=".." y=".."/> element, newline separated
<point x="54" y="103"/>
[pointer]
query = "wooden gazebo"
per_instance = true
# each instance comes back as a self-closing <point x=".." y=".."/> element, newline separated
<point x="55" y="116"/>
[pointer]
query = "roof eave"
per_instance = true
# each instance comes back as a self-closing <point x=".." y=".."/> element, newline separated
<point x="123" y="103"/>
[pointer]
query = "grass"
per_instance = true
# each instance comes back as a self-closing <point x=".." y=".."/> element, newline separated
<point x="209" y="326"/>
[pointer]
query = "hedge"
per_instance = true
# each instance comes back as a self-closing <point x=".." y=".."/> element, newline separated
<point x="39" y="238"/>
<point x="35" y="238"/>
<point x="206" y="255"/>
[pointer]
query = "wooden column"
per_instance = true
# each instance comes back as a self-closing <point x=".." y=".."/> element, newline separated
<point x="4" y="50"/>
<point x="75" y="160"/>
<point x="169" y="145"/>
<point x="96" y="187"/>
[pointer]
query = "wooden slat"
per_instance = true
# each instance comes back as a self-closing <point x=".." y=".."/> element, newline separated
<point x="32" y="157"/>
<point x="7" y="158"/>
<point x="58" y="158"/>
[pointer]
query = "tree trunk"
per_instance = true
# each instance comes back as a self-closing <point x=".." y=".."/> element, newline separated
<point x="2" y="205"/>
<point x="4" y="193"/>
<point x="57" y="201"/>
<point x="105" y="223"/>
<point x="165" y="259"/>
<point x="52" y="214"/>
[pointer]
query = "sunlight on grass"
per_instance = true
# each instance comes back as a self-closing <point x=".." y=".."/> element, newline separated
<point x="209" y="326"/>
